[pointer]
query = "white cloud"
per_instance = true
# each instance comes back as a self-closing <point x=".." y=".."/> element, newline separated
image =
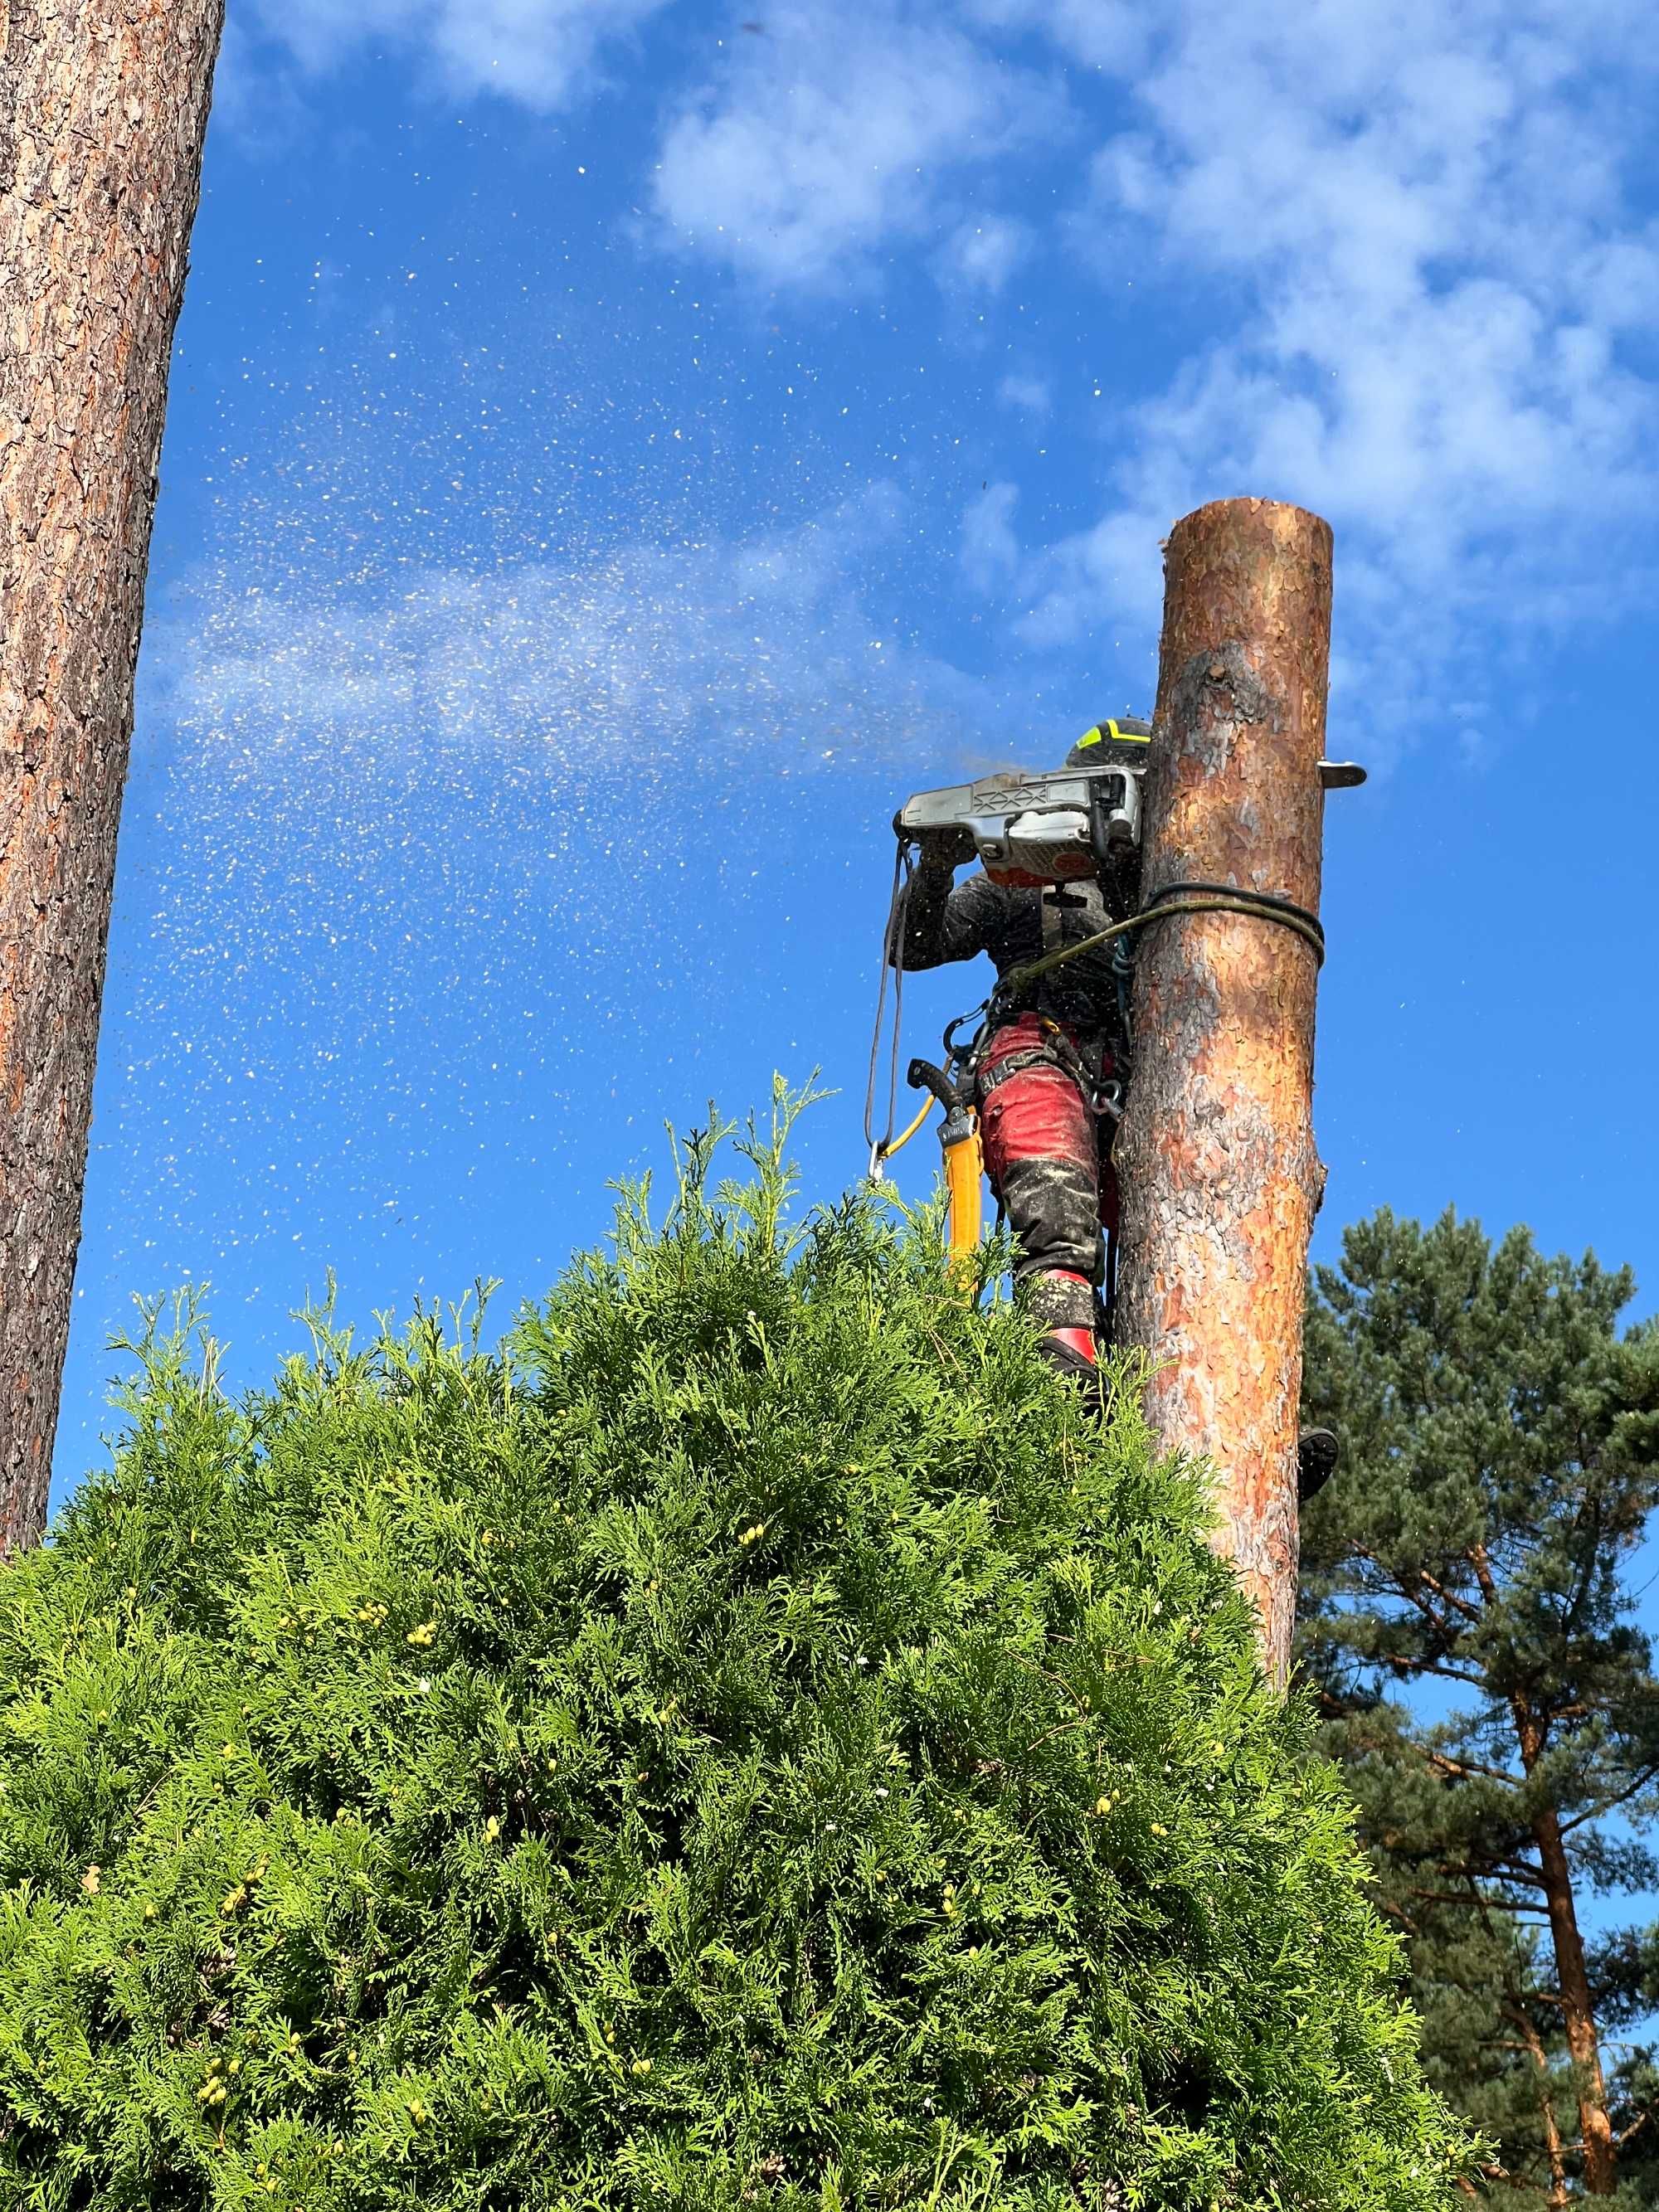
<point x="984" y="252"/>
<point x="1031" y="394"/>
<point x="1111" y="35"/>
<point x="822" y="141"/>
<point x="1408" y="229"/>
<point x="256" y="102"/>
<point x="1404" y="224"/>
<point x="1397" y="237"/>
<point x="542" y="53"/>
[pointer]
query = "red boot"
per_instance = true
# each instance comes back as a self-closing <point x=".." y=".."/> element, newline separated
<point x="1071" y="1351"/>
<point x="1064" y="1301"/>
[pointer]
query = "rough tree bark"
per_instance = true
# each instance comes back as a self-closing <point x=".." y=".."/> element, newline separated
<point x="103" y="107"/>
<point x="1219" y="1174"/>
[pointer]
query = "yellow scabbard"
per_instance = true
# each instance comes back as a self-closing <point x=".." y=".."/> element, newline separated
<point x="963" y="1167"/>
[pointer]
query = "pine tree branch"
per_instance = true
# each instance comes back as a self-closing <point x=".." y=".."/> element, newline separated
<point x="1592" y="1555"/>
<point x="1391" y="1910"/>
<point x="1603" y="1806"/>
<point x="1478" y="1558"/>
<point x="1501" y="1867"/>
<point x="1409" y="1586"/>
<point x="1448" y="1596"/>
<point x="1497" y="1904"/>
<point x="1427" y="1666"/>
<point x="1443" y="1763"/>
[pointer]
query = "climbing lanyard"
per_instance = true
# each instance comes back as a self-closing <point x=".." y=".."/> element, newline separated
<point x="892" y="942"/>
<point x="1174" y="899"/>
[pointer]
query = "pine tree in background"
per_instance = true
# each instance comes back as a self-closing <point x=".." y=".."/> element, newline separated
<point x="1624" y="1971"/>
<point x="1467" y="1622"/>
<point x="756" y="1743"/>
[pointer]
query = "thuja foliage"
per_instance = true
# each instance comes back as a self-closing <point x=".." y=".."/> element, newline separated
<point x="749" y="1740"/>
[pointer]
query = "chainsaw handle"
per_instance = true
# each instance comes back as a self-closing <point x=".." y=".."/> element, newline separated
<point x="922" y="1075"/>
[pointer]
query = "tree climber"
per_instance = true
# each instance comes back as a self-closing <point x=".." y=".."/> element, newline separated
<point x="1047" y="1077"/>
<point x="1050" y="1077"/>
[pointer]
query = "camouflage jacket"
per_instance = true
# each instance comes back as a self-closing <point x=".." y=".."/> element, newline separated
<point x="945" y="922"/>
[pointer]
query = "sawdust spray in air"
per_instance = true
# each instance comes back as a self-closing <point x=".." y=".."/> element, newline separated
<point x="442" y="691"/>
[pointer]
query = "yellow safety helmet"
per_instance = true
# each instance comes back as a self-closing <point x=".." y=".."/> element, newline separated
<point x="1125" y="740"/>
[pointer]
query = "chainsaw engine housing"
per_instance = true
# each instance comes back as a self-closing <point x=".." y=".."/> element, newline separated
<point x="1032" y="829"/>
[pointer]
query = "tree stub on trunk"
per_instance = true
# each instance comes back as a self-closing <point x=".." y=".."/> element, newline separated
<point x="1219" y="1173"/>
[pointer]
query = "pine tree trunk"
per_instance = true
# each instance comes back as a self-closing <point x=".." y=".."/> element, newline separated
<point x="1577" y="2006"/>
<point x="1216" y="1156"/>
<point x="103" y="106"/>
<point x="1571" y="1976"/>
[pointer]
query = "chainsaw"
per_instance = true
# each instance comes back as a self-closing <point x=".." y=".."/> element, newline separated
<point x="1032" y="830"/>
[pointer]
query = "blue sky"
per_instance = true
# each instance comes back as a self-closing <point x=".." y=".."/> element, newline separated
<point x="618" y="447"/>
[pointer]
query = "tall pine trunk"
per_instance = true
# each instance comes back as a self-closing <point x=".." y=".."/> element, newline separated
<point x="103" y="107"/>
<point x="1216" y="1152"/>
<point x="1577" y="2006"/>
<point x="1571" y="1976"/>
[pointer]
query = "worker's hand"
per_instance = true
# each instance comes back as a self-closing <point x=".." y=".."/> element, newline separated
<point x="947" y="847"/>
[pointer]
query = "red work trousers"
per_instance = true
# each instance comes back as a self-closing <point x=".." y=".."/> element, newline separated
<point x="1047" y="1155"/>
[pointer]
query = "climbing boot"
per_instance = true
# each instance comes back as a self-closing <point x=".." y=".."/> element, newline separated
<point x="1063" y="1302"/>
<point x="1070" y="1352"/>
<point x="1317" y="1452"/>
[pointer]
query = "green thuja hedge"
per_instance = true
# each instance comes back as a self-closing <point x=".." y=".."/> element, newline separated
<point x="750" y="1741"/>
